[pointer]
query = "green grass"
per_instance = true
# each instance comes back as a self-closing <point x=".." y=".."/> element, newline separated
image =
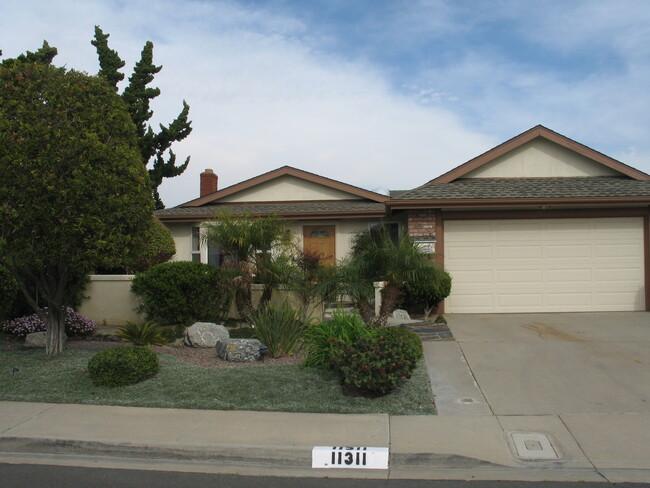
<point x="64" y="379"/>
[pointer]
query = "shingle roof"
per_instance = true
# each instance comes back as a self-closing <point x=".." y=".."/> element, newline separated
<point x="500" y="188"/>
<point x="279" y="208"/>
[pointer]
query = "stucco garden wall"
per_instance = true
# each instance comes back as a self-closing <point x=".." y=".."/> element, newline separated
<point x="110" y="301"/>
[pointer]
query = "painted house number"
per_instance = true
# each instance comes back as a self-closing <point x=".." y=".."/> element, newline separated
<point x="350" y="457"/>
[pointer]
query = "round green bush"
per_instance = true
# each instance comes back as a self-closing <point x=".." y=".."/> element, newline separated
<point x="402" y="333"/>
<point x="183" y="292"/>
<point x="124" y="365"/>
<point x="375" y="366"/>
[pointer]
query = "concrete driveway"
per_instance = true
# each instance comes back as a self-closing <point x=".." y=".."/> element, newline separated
<point x="552" y="363"/>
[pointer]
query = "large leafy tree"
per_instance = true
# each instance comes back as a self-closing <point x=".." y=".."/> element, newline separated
<point x="73" y="191"/>
<point x="154" y="146"/>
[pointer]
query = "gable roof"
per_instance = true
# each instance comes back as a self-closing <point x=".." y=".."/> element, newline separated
<point x="213" y="198"/>
<point x="529" y="135"/>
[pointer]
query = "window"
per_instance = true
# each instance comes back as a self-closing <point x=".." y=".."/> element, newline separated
<point x="196" y="244"/>
<point x="319" y="233"/>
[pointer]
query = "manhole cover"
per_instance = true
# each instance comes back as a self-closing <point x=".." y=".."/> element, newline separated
<point x="532" y="446"/>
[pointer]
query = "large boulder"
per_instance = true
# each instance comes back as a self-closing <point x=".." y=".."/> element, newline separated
<point x="401" y="314"/>
<point x="205" y="334"/>
<point x="39" y="339"/>
<point x="240" y="350"/>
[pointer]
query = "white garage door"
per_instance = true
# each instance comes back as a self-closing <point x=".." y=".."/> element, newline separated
<point x="563" y="265"/>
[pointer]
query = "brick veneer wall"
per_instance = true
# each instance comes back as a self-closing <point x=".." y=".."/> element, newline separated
<point x="422" y="224"/>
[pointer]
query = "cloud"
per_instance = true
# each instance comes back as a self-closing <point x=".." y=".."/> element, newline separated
<point x="383" y="97"/>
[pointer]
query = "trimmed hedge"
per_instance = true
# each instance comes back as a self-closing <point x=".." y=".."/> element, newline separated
<point x="183" y="292"/>
<point x="124" y="365"/>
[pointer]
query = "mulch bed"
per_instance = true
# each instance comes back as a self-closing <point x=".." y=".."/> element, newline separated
<point x="198" y="356"/>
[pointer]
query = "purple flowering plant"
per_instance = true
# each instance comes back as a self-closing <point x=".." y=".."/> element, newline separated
<point x="75" y="324"/>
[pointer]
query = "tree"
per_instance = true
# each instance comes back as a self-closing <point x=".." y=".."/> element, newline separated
<point x="260" y="250"/>
<point x="138" y="95"/>
<point x="73" y="192"/>
<point x="376" y="256"/>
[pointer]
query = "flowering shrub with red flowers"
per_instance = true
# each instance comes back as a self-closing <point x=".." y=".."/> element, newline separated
<point x="376" y="365"/>
<point x="75" y="324"/>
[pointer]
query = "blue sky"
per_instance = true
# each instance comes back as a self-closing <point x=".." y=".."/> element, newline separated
<point x="379" y="94"/>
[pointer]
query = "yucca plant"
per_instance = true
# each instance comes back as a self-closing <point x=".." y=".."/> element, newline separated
<point x="142" y="333"/>
<point x="279" y="328"/>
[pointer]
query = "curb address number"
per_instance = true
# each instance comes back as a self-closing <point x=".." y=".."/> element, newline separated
<point x="350" y="457"/>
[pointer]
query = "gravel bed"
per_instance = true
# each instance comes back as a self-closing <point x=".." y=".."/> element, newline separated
<point x="199" y="356"/>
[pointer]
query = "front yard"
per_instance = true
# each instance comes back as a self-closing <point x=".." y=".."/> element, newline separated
<point x="28" y="375"/>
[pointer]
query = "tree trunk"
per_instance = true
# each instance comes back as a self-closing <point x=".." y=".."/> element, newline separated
<point x="55" y="320"/>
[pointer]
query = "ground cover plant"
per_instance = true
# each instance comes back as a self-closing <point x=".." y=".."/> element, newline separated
<point x="265" y="388"/>
<point x="76" y="325"/>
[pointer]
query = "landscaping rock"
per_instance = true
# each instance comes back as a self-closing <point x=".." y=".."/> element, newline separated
<point x="401" y="314"/>
<point x="239" y="350"/>
<point x="205" y="334"/>
<point x="38" y="339"/>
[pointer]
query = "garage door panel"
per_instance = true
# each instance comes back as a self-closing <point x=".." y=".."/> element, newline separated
<point x="562" y="276"/>
<point x="509" y="277"/>
<point x="545" y="265"/>
<point x="568" y="252"/>
<point x="518" y="252"/>
<point x="617" y="251"/>
<point x="576" y="299"/>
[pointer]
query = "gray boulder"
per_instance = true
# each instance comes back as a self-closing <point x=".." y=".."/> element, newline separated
<point x="38" y="339"/>
<point x="239" y="350"/>
<point x="401" y="314"/>
<point x="205" y="334"/>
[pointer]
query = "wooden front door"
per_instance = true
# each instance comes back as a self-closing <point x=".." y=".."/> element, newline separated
<point x="322" y="240"/>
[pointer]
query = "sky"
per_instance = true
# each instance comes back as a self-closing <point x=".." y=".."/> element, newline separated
<point x="379" y="94"/>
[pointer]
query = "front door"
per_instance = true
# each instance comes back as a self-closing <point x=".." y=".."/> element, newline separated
<point x="321" y="239"/>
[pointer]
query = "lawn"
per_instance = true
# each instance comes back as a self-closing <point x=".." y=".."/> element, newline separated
<point x="64" y="379"/>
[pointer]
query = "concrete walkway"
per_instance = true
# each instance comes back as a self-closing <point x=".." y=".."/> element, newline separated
<point x="493" y="423"/>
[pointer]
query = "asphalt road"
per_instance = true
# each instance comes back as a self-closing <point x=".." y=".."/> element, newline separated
<point x="32" y="475"/>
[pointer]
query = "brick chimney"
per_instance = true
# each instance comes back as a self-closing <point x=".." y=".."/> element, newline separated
<point x="209" y="182"/>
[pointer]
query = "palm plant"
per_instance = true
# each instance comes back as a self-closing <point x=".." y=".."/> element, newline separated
<point x="260" y="248"/>
<point x="376" y="256"/>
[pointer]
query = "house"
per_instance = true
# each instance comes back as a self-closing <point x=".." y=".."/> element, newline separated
<point x="540" y="223"/>
<point x="322" y="212"/>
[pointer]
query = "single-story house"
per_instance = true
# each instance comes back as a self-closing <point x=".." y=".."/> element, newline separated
<point x="540" y="223"/>
<point x="322" y="212"/>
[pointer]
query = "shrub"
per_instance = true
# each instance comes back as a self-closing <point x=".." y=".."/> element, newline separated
<point x="323" y="338"/>
<point x="183" y="292"/>
<point x="125" y="365"/>
<point x="429" y="292"/>
<point x="8" y="292"/>
<point x="279" y="328"/>
<point x="402" y="333"/>
<point x="75" y="324"/>
<point x="142" y="334"/>
<point x="374" y="366"/>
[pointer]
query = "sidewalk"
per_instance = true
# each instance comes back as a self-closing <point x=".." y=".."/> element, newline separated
<point x="592" y="447"/>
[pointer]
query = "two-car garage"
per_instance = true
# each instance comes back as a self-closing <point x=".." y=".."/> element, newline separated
<point x="545" y="265"/>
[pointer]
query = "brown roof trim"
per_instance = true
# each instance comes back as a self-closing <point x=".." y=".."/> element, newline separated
<point x="287" y="170"/>
<point x="352" y="214"/>
<point x="529" y="135"/>
<point x="515" y="202"/>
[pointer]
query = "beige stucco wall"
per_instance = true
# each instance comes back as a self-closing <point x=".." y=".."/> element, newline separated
<point x="110" y="301"/>
<point x="541" y="158"/>
<point x="345" y="229"/>
<point x="288" y="188"/>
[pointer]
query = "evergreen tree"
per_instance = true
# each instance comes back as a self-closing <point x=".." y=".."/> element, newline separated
<point x="138" y="95"/>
